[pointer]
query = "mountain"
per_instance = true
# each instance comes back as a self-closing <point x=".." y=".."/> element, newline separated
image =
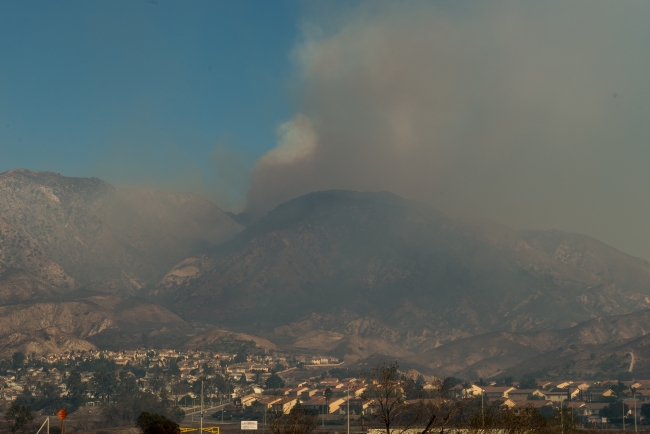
<point x="83" y="232"/>
<point x="75" y="251"/>
<point x="346" y="273"/>
<point x="359" y="273"/>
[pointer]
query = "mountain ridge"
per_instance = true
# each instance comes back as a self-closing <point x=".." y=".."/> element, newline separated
<point x="75" y="232"/>
<point x="356" y="273"/>
<point x="348" y="273"/>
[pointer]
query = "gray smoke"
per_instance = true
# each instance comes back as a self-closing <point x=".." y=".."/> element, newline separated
<point x="533" y="114"/>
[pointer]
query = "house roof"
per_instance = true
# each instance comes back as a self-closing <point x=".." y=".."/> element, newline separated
<point x="497" y="389"/>
<point x="596" y="405"/>
<point x="537" y="403"/>
<point x="523" y="391"/>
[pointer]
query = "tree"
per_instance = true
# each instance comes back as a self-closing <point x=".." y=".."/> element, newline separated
<point x="222" y="384"/>
<point x="328" y="396"/>
<point x="618" y="388"/>
<point x="412" y="387"/>
<point x="392" y="409"/>
<point x="175" y="370"/>
<point x="645" y="411"/>
<point x="615" y="409"/>
<point x="17" y="359"/>
<point x="528" y="383"/>
<point x="18" y="417"/>
<point x="48" y="397"/>
<point x="152" y="423"/>
<point x="178" y="414"/>
<point x="74" y="384"/>
<point x="298" y="421"/>
<point x="127" y="383"/>
<point x="386" y="390"/>
<point x="105" y="384"/>
<point x="274" y="382"/>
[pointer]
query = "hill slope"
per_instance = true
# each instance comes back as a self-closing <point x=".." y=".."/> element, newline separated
<point x="82" y="320"/>
<point x="83" y="232"/>
<point x="326" y="262"/>
<point x="524" y="353"/>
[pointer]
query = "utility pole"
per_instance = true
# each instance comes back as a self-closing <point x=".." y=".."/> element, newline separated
<point x="482" y="413"/>
<point x="348" y="408"/>
<point x="634" y="396"/>
<point x="201" y="415"/>
<point x="623" y="402"/>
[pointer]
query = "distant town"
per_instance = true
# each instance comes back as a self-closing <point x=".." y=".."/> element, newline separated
<point x="230" y="387"/>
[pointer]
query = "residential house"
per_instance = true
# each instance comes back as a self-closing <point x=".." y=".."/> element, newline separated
<point x="249" y="400"/>
<point x="335" y="404"/>
<point x="329" y="382"/>
<point x="284" y="405"/>
<point x="523" y="394"/>
<point x="593" y="394"/>
<point x="589" y="413"/>
<point x="471" y="391"/>
<point x="559" y="395"/>
<point x="497" y="392"/>
<point x="267" y="401"/>
<point x="317" y="404"/>
<point x="297" y="391"/>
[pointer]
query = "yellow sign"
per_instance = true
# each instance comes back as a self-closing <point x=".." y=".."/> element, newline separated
<point x="211" y="430"/>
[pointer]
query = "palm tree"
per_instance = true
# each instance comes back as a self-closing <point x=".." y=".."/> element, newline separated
<point x="328" y="396"/>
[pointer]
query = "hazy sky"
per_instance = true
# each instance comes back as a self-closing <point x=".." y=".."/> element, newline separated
<point x="533" y="114"/>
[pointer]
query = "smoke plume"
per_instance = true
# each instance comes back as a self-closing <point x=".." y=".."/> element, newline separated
<point x="528" y="113"/>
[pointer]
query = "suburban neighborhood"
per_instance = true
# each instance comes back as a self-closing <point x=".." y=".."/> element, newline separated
<point x="236" y="386"/>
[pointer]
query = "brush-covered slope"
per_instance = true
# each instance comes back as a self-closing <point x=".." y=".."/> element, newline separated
<point x="415" y="276"/>
<point x="524" y="353"/>
<point x="81" y="320"/>
<point x="83" y="232"/>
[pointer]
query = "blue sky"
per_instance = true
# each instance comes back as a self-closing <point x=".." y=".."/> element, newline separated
<point x="142" y="91"/>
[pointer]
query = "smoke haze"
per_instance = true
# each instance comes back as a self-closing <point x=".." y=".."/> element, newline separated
<point x="533" y="114"/>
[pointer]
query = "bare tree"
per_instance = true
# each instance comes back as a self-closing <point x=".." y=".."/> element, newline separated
<point x="392" y="409"/>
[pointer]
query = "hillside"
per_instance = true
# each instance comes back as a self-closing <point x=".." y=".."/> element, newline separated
<point x="346" y="273"/>
<point x="584" y="350"/>
<point x="82" y="320"/>
<point x="83" y="232"/>
<point x="360" y="273"/>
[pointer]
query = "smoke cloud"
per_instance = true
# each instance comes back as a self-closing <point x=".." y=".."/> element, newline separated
<point x="533" y="114"/>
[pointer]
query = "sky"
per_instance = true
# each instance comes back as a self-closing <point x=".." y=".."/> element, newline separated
<point x="532" y="114"/>
<point x="143" y="92"/>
